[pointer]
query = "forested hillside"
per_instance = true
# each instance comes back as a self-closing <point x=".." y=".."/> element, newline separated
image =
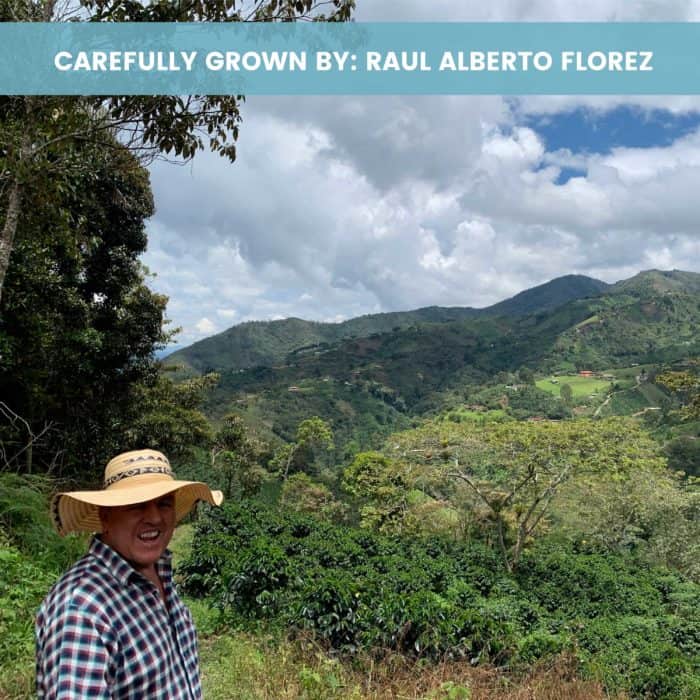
<point x="272" y="343"/>
<point x="369" y="385"/>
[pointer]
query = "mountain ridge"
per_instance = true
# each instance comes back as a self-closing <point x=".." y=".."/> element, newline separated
<point x="377" y="378"/>
<point x="269" y="343"/>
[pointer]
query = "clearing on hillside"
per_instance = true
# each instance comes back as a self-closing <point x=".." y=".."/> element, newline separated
<point x="580" y="386"/>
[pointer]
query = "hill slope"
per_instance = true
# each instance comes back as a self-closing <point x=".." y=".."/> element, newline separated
<point x="549" y="296"/>
<point x="654" y="282"/>
<point x="270" y="343"/>
<point x="369" y="385"/>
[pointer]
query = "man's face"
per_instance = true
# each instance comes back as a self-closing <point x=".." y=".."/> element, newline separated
<point x="140" y="532"/>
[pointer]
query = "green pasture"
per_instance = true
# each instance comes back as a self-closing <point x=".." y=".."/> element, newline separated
<point x="580" y="386"/>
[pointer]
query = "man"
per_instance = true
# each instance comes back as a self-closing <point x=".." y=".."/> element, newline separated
<point x="113" y="626"/>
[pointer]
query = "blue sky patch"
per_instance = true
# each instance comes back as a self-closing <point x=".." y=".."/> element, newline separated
<point x="567" y="173"/>
<point x="586" y="131"/>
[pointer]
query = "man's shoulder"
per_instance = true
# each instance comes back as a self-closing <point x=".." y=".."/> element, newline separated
<point x="85" y="586"/>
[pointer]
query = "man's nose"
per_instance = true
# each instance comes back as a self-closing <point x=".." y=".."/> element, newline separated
<point x="151" y="512"/>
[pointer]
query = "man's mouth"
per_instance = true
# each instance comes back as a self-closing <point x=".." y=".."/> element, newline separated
<point x="149" y="535"/>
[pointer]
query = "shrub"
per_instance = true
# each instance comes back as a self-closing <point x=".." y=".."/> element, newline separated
<point x="23" y="585"/>
<point x="24" y="517"/>
<point x="631" y="626"/>
<point x="637" y="653"/>
<point x="540" y="644"/>
<point x="589" y="584"/>
<point x="329" y="605"/>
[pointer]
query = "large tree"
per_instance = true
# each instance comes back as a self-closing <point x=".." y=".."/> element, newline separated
<point x="503" y="477"/>
<point x="38" y="133"/>
<point x="686" y="386"/>
<point x="314" y="437"/>
<point x="78" y="325"/>
<point x="516" y="470"/>
<point x="236" y="453"/>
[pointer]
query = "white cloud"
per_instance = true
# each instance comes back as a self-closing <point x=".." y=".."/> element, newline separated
<point x="205" y="326"/>
<point x="318" y="237"/>
<point x="341" y="206"/>
<point x="530" y="10"/>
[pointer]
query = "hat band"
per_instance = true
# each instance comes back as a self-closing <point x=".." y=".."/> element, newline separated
<point x="136" y="471"/>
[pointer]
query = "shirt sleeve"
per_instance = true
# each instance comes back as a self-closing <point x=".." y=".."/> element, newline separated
<point x="75" y="657"/>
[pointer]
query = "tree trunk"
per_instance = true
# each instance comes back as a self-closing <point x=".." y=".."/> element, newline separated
<point x="14" y="200"/>
<point x="502" y="545"/>
<point x="288" y="464"/>
<point x="7" y="238"/>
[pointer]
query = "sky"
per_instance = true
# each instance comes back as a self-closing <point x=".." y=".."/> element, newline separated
<point x="339" y="206"/>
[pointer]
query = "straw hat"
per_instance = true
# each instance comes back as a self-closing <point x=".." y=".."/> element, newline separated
<point x="131" y="477"/>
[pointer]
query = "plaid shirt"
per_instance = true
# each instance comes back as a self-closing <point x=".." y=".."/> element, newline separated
<point x="103" y="631"/>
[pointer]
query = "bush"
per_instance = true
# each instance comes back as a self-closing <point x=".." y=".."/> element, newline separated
<point x="589" y="584"/>
<point x="329" y="605"/>
<point x="23" y="585"/>
<point x="32" y="556"/>
<point x="540" y="644"/>
<point x="24" y="517"/>
<point x="637" y="653"/>
<point x="632" y="626"/>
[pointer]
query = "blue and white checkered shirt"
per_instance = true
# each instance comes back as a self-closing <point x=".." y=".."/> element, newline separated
<point x="103" y="631"/>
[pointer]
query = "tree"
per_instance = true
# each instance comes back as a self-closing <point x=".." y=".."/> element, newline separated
<point x="526" y="375"/>
<point x="400" y="496"/>
<point x="656" y="513"/>
<point x="313" y="436"/>
<point x="683" y="454"/>
<point x="687" y="386"/>
<point x="518" y="469"/>
<point x="303" y="495"/>
<point x="78" y="325"/>
<point x="39" y="133"/>
<point x="512" y="472"/>
<point x="383" y="487"/>
<point x="236" y="454"/>
<point x="566" y="393"/>
<point x="167" y="416"/>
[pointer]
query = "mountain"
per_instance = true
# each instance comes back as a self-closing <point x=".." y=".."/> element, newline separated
<point x="372" y="375"/>
<point x="652" y="282"/>
<point x="548" y="296"/>
<point x="651" y="317"/>
<point x="271" y="343"/>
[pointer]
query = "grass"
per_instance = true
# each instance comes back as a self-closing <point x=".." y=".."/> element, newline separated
<point x="580" y="386"/>
<point x="244" y="666"/>
<point x="460" y="414"/>
<point x="629" y="373"/>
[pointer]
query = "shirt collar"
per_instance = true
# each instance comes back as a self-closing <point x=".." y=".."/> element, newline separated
<point x="120" y="569"/>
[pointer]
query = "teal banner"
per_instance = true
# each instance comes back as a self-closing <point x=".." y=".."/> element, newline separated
<point x="355" y="58"/>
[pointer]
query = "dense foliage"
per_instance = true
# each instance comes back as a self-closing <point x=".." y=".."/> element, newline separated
<point x="78" y="325"/>
<point x="32" y="556"/>
<point x="633" y="626"/>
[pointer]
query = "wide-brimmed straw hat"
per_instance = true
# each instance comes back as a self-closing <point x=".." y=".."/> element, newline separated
<point x="130" y="478"/>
